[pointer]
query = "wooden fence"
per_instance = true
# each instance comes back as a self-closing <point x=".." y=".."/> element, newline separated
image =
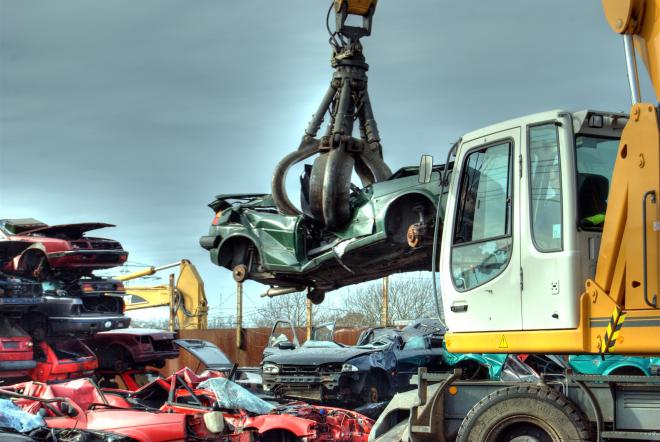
<point x="254" y="342"/>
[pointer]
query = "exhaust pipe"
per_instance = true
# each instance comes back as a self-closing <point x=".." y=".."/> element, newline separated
<point x="279" y="291"/>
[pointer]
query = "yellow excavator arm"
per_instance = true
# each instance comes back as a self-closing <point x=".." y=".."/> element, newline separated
<point x="186" y="299"/>
<point x="639" y="19"/>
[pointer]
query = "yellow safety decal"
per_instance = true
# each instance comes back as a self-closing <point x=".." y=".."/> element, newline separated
<point x="613" y="330"/>
<point x="503" y="343"/>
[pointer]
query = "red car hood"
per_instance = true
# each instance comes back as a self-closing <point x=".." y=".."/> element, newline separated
<point x="67" y="231"/>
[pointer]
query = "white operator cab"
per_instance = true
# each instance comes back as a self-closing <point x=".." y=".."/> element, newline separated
<point x="523" y="221"/>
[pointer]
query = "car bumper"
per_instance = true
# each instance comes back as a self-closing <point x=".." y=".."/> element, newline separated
<point x="86" y="324"/>
<point x="87" y="258"/>
<point x="314" y="387"/>
<point x="17" y="365"/>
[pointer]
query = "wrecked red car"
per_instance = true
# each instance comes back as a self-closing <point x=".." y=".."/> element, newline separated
<point x="62" y="359"/>
<point x="119" y="350"/>
<point x="16" y="351"/>
<point x="82" y="405"/>
<point x="185" y="392"/>
<point x="66" y="249"/>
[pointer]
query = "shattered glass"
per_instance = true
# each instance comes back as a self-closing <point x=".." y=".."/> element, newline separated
<point x="235" y="397"/>
<point x="11" y="416"/>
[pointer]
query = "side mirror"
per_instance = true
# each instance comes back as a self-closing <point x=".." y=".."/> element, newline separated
<point x="425" y="169"/>
<point x="286" y="345"/>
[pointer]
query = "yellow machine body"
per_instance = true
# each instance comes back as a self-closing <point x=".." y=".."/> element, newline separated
<point x="186" y="298"/>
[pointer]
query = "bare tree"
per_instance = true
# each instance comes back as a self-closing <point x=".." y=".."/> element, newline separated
<point x="410" y="297"/>
<point x="292" y="307"/>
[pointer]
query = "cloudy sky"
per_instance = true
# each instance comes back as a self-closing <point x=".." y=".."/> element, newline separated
<point x="138" y="113"/>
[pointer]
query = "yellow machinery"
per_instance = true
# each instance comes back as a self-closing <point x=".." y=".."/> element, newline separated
<point x="618" y="310"/>
<point x="186" y="299"/>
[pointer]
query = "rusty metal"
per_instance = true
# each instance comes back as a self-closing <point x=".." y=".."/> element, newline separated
<point x="339" y="153"/>
<point x="240" y="272"/>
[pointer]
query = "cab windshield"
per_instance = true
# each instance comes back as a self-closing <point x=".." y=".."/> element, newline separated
<point x="595" y="163"/>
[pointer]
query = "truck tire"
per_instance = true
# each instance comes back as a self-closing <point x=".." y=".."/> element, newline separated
<point x="527" y="413"/>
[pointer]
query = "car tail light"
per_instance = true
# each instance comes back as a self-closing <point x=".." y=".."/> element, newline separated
<point x="30" y="344"/>
<point x="216" y="218"/>
<point x="87" y="287"/>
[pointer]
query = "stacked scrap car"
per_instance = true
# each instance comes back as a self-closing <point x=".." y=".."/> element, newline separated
<point x="66" y="251"/>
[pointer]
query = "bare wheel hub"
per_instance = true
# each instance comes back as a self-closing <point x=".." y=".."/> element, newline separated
<point x="415" y="235"/>
<point x="240" y="272"/>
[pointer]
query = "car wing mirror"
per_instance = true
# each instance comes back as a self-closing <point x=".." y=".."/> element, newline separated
<point x="425" y="169"/>
<point x="286" y="345"/>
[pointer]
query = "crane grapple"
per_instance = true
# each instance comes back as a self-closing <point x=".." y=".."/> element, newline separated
<point x="339" y="153"/>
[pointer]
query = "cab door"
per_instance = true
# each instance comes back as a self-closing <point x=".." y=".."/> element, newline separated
<point x="549" y="254"/>
<point x="480" y="255"/>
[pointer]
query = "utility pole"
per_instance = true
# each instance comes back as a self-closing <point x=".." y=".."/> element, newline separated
<point x="308" y="305"/>
<point x="384" y="306"/>
<point x="239" y="315"/>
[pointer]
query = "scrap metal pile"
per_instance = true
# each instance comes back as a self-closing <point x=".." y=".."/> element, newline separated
<point x="71" y="370"/>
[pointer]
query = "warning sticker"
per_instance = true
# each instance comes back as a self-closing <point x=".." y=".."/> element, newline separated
<point x="503" y="343"/>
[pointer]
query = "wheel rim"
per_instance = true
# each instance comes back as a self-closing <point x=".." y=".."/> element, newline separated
<point x="522" y="428"/>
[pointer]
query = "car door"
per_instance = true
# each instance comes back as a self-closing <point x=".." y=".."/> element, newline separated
<point x="480" y="256"/>
<point x="282" y="338"/>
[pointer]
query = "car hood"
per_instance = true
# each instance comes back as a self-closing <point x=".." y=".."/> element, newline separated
<point x="207" y="353"/>
<point x="318" y="356"/>
<point x="67" y="231"/>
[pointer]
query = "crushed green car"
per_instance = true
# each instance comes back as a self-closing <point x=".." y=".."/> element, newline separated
<point x="390" y="231"/>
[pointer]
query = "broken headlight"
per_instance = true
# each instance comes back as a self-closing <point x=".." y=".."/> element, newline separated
<point x="349" y="367"/>
<point x="270" y="368"/>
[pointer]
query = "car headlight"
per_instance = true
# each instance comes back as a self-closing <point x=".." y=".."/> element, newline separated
<point x="270" y="368"/>
<point x="348" y="367"/>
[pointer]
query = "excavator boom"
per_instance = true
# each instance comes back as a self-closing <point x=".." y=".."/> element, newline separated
<point x="186" y="298"/>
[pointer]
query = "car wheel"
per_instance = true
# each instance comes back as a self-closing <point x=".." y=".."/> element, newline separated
<point x="36" y="325"/>
<point x="114" y="358"/>
<point x="408" y="221"/>
<point x="240" y="272"/>
<point x="371" y="393"/>
<point x="316" y="296"/>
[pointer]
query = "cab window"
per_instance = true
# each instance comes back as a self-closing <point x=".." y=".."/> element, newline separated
<point x="545" y="188"/>
<point x="482" y="242"/>
<point x="595" y="164"/>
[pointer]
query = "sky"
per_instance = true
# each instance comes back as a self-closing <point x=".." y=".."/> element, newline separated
<point x="139" y="113"/>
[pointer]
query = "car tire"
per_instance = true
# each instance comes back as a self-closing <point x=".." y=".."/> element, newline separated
<point x="533" y="412"/>
<point x="371" y="391"/>
<point x="316" y="296"/>
<point x="36" y="325"/>
<point x="114" y="358"/>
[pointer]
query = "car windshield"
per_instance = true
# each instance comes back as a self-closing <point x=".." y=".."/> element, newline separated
<point x="321" y="344"/>
<point x="232" y="396"/>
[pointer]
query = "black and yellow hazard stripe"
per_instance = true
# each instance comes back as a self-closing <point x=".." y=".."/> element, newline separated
<point x="613" y="330"/>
